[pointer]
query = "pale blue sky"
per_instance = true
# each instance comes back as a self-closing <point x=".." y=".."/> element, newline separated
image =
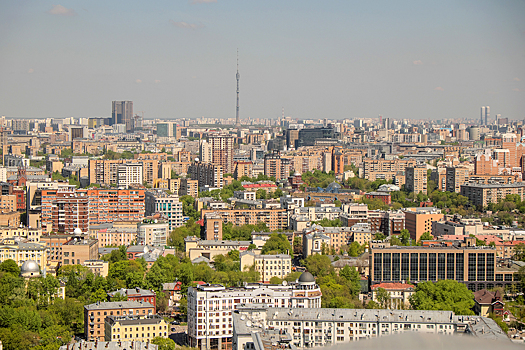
<point x="317" y="59"/>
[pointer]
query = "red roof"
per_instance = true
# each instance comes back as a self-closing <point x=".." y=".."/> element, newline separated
<point x="259" y="185"/>
<point x="393" y="286"/>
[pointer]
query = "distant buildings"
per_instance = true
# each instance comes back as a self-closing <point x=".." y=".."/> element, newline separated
<point x="122" y="113"/>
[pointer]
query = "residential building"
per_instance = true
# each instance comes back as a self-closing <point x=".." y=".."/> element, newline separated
<point x="129" y="174"/>
<point x="275" y="166"/>
<point x="455" y="177"/>
<point x="222" y="152"/>
<point x="21" y="252"/>
<point x="275" y="219"/>
<point x="419" y="220"/>
<point x="136" y="328"/>
<point x="207" y="174"/>
<point x="98" y="267"/>
<point x="168" y="205"/>
<point x="136" y="294"/>
<point x="482" y="195"/>
<point x="374" y="169"/>
<point x="94" y="315"/>
<point x="153" y="232"/>
<point x="77" y="250"/>
<point x="385" y="197"/>
<point x="416" y="179"/>
<point x="211" y="307"/>
<point x="268" y="266"/>
<point x="315" y="243"/>
<point x="8" y="203"/>
<point x="398" y="294"/>
<point x="361" y="233"/>
<point x="65" y="209"/>
<point x="243" y="168"/>
<point x="189" y="188"/>
<point x="205" y="152"/>
<point x="488" y="303"/>
<point x="109" y="205"/>
<point x="196" y="247"/>
<point x="53" y="245"/>
<point x="212" y="226"/>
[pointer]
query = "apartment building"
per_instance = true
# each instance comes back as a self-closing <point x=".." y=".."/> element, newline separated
<point x="275" y="219"/>
<point x="275" y="166"/>
<point x="296" y="328"/>
<point x="168" y="205"/>
<point x="153" y="232"/>
<point x="399" y="294"/>
<point x="110" y="235"/>
<point x="106" y="171"/>
<point x="196" y="247"/>
<point x="374" y="169"/>
<point x="482" y="195"/>
<point x="129" y="174"/>
<point x="210" y="307"/>
<point x="21" y="252"/>
<point x="136" y="328"/>
<point x="206" y="174"/>
<point x="8" y="203"/>
<point x="419" y="220"/>
<point x="64" y="209"/>
<point x="243" y="168"/>
<point x="455" y="177"/>
<point x="94" y="315"/>
<point x="361" y="233"/>
<point x="109" y="205"/>
<point x="98" y="267"/>
<point x="416" y="179"/>
<point x="189" y="187"/>
<point x="268" y="266"/>
<point x="212" y="227"/>
<point x="77" y="250"/>
<point x="222" y="152"/>
<point x="30" y="234"/>
<point x="474" y="266"/>
<point x="315" y="243"/>
<point x="136" y="294"/>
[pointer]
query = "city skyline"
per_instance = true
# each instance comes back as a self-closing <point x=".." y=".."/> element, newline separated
<point x="336" y="61"/>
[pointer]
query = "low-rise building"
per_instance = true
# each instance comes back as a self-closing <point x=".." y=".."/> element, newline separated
<point x="136" y="294"/>
<point x="268" y="266"/>
<point x="153" y="232"/>
<point x="196" y="247"/>
<point x="136" y="328"/>
<point x="398" y="294"/>
<point x="487" y="302"/>
<point x="98" y="267"/>
<point x="77" y="250"/>
<point x="21" y="252"/>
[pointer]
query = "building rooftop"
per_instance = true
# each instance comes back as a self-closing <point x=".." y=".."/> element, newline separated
<point x="112" y="345"/>
<point x="134" y="320"/>
<point x="132" y="292"/>
<point x="117" y="305"/>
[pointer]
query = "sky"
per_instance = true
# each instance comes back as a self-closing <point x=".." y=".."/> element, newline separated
<point x="316" y="59"/>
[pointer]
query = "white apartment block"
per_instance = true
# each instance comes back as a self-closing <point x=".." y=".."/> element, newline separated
<point x="268" y="266"/>
<point x="130" y="173"/>
<point x="168" y="205"/>
<point x="210" y="307"/>
<point x="310" y="328"/>
<point x="153" y="232"/>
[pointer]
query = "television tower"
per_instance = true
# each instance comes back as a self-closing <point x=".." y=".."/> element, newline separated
<point x="238" y="76"/>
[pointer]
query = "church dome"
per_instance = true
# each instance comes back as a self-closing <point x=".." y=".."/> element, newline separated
<point x="30" y="268"/>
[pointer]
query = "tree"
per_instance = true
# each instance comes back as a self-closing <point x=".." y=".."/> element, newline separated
<point x="382" y="296"/>
<point x="260" y="194"/>
<point x="275" y="280"/>
<point x="164" y="343"/>
<point x="443" y="295"/>
<point x="10" y="266"/>
<point x="318" y="265"/>
<point x="277" y="243"/>
<point x="355" y="249"/>
<point x="351" y="275"/>
<point x="405" y="237"/>
<point x="426" y="236"/>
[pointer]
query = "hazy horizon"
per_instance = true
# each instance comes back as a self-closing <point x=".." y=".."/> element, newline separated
<point x="344" y="60"/>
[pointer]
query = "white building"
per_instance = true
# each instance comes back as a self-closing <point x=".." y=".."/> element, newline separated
<point x="153" y="232"/>
<point x="210" y="307"/>
<point x="130" y="173"/>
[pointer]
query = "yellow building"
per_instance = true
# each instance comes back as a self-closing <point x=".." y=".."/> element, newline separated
<point x="136" y="328"/>
<point x="419" y="220"/>
<point x="21" y="252"/>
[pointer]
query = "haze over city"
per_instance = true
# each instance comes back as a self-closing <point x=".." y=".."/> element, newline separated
<point x="332" y="60"/>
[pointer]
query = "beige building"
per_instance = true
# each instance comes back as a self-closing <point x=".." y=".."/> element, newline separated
<point x="419" y="220"/>
<point x="98" y="267"/>
<point x="374" y="169"/>
<point x="195" y="247"/>
<point x="136" y="328"/>
<point x="31" y="234"/>
<point x="455" y="177"/>
<point x="153" y="232"/>
<point x="189" y="188"/>
<point x="275" y="219"/>
<point x="268" y="266"/>
<point x="77" y="250"/>
<point x="482" y="195"/>
<point x="8" y="203"/>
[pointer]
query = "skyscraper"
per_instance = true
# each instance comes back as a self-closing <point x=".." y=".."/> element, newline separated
<point x="238" y="76"/>
<point x="482" y="114"/>
<point x="485" y="113"/>
<point x="122" y="113"/>
<point x="222" y="151"/>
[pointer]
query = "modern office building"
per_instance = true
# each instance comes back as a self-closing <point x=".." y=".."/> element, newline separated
<point x="308" y="137"/>
<point x="122" y="113"/>
<point x="210" y="307"/>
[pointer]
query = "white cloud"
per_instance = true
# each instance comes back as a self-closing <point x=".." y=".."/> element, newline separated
<point x="138" y="81"/>
<point x="516" y="89"/>
<point x="417" y="63"/>
<point x="202" y="1"/>
<point x="61" y="11"/>
<point x="517" y="79"/>
<point x="439" y="88"/>
<point x="31" y="70"/>
<point x="185" y="25"/>
<point x="157" y="81"/>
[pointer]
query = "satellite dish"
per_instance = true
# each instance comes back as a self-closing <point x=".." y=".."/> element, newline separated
<point x="248" y="323"/>
<point x="285" y="283"/>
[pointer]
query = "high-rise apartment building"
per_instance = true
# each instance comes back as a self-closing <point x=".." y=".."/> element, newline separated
<point x="416" y="179"/>
<point x="122" y="113"/>
<point x="243" y="169"/>
<point x="64" y="210"/>
<point x="222" y="151"/>
<point x="168" y="205"/>
<point x="276" y="166"/>
<point x="205" y="152"/>
<point x="207" y="174"/>
<point x="129" y="174"/>
<point x="456" y="176"/>
<point x="109" y="205"/>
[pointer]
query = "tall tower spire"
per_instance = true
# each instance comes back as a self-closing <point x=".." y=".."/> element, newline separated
<point x="238" y="76"/>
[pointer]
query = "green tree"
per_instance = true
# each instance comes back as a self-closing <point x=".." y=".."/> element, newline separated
<point x="405" y="237"/>
<point x="164" y="343"/>
<point x="355" y="249"/>
<point x="351" y="275"/>
<point x="443" y="295"/>
<point x="275" y="280"/>
<point x="426" y="236"/>
<point x="318" y="265"/>
<point x="10" y="266"/>
<point x="382" y="296"/>
<point x="277" y="243"/>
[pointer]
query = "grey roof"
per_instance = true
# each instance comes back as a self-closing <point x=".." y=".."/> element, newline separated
<point x="117" y="305"/>
<point x="29" y="266"/>
<point x="135" y="291"/>
<point x="306" y="277"/>
<point x="127" y="321"/>
<point x="112" y="345"/>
